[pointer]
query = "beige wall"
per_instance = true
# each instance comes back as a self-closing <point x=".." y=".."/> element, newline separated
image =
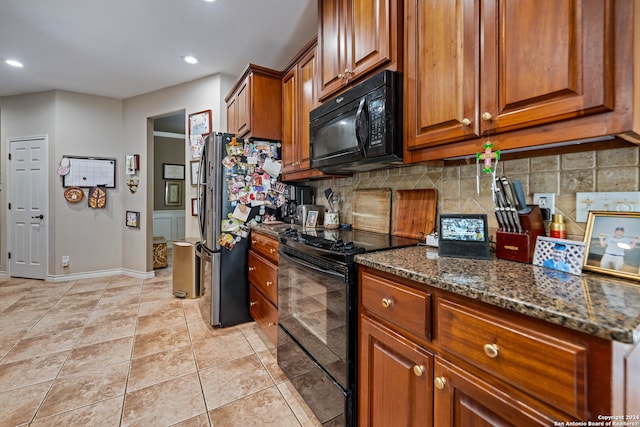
<point x="168" y="150"/>
<point x="97" y="241"/>
<point x="603" y="170"/>
<point x="25" y="115"/>
<point x="204" y="94"/>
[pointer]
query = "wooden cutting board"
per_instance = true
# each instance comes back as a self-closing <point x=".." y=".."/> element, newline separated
<point x="372" y="210"/>
<point x="414" y="212"/>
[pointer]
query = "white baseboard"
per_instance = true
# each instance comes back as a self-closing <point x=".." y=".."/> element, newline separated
<point x="101" y="273"/>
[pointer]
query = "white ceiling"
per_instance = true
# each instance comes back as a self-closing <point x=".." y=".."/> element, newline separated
<point x="124" y="48"/>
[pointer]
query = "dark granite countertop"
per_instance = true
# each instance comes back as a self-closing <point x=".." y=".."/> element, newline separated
<point x="600" y="305"/>
<point x="272" y="230"/>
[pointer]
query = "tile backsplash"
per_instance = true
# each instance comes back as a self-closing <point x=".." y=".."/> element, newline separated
<point x="608" y="170"/>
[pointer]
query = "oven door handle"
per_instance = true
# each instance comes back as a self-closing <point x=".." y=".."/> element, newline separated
<point x="310" y="265"/>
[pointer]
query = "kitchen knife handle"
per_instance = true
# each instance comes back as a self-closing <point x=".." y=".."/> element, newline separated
<point x="508" y="194"/>
<point x="520" y="199"/>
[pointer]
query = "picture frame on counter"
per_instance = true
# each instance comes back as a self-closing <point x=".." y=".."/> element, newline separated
<point x="613" y="244"/>
<point x="564" y="256"/>
<point x="312" y="219"/>
<point x="172" y="171"/>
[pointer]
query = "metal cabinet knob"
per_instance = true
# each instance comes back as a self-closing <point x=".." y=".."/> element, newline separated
<point x="271" y="251"/>
<point x="271" y="324"/>
<point x="387" y="302"/>
<point x="269" y="283"/>
<point x="252" y="303"/>
<point x="252" y="268"/>
<point x="491" y="350"/>
<point x="418" y="370"/>
<point x="439" y="382"/>
<point x="253" y="241"/>
<point x="466" y="122"/>
<point x="486" y="116"/>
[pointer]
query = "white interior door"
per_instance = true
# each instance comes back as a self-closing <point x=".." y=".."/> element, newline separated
<point x="28" y="207"/>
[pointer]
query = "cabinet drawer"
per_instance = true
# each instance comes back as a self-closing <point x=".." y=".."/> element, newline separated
<point x="264" y="313"/>
<point x="264" y="275"/>
<point x="400" y="305"/>
<point x="265" y="245"/>
<point x="550" y="369"/>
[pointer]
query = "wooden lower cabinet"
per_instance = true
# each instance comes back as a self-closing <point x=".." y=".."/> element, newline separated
<point x="429" y="357"/>
<point x="264" y="313"/>
<point x="462" y="399"/>
<point x="263" y="281"/>
<point x="395" y="379"/>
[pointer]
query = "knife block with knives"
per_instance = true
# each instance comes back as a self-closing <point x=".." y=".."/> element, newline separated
<point x="520" y="246"/>
<point x="520" y="224"/>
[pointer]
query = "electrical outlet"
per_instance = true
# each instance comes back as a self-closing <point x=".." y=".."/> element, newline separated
<point x="65" y="260"/>
<point x="547" y="203"/>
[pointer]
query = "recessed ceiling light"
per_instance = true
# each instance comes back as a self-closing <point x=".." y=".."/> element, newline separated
<point x="13" y="63"/>
<point x="190" y="59"/>
<point x="209" y="1"/>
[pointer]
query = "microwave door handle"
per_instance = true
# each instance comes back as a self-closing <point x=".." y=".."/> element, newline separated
<point x="362" y="123"/>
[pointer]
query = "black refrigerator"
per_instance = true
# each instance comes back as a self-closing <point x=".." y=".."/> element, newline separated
<point x="237" y="185"/>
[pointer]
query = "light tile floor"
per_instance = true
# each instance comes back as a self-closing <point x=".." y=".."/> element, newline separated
<point x="120" y="351"/>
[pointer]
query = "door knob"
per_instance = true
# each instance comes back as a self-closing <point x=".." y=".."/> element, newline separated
<point x="38" y="216"/>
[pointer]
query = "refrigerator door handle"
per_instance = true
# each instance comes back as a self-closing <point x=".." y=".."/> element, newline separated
<point x="200" y="204"/>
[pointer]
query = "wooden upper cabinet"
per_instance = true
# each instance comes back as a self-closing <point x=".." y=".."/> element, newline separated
<point x="254" y="104"/>
<point x="356" y="37"/>
<point x="289" y="125"/>
<point x="476" y="68"/>
<point x="299" y="97"/>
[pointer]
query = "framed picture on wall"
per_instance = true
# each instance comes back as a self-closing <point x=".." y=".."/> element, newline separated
<point x="133" y="219"/>
<point x="200" y="123"/>
<point x="194" y="207"/>
<point x="171" y="171"/>
<point x="173" y="193"/>
<point x="195" y="172"/>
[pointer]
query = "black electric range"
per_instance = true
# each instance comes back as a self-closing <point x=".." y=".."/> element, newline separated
<point x="317" y="309"/>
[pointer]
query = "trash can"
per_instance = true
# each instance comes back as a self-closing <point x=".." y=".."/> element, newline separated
<point x="186" y="269"/>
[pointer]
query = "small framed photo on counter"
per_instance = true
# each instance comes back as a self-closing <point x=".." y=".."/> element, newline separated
<point x="612" y="243"/>
<point x="312" y="219"/>
<point x="559" y="254"/>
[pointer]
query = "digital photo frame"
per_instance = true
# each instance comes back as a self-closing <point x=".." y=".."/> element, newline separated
<point x="463" y="236"/>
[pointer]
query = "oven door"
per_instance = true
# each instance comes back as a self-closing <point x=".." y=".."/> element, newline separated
<point x="316" y="349"/>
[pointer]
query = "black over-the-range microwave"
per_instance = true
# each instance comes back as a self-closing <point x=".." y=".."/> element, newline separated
<point x="360" y="129"/>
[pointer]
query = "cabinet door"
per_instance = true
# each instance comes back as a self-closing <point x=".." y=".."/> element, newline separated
<point x="332" y="44"/>
<point x="308" y="100"/>
<point x="372" y="35"/>
<point x="289" y="122"/>
<point x="440" y="71"/>
<point x="474" y="68"/>
<point x="232" y="115"/>
<point x="462" y="399"/>
<point x="395" y="379"/>
<point x="243" y="108"/>
<point x="551" y="60"/>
